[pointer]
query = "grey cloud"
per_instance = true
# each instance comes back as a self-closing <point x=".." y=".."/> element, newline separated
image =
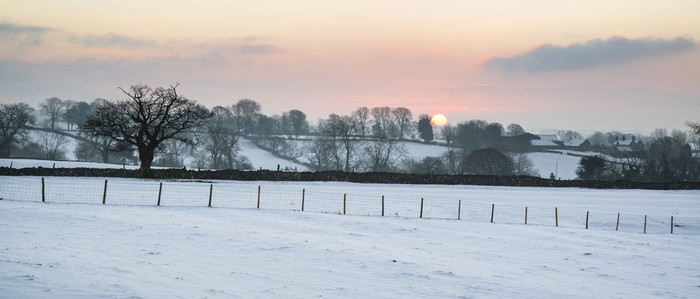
<point x="12" y="29"/>
<point x="257" y="49"/>
<point x="113" y="39"/>
<point x="594" y="53"/>
<point x="23" y="35"/>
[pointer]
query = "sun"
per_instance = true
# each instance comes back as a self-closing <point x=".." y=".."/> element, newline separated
<point x="438" y="120"/>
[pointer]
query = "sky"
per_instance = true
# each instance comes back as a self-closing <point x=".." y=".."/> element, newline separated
<point x="625" y="65"/>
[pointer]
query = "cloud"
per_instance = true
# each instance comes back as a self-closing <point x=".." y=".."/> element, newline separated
<point x="12" y="29"/>
<point x="23" y="35"/>
<point x="257" y="49"/>
<point x="594" y="53"/>
<point x="113" y="39"/>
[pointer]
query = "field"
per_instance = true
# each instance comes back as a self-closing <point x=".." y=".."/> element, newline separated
<point x="123" y="249"/>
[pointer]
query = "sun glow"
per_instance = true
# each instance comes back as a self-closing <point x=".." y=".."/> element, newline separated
<point x="438" y="120"/>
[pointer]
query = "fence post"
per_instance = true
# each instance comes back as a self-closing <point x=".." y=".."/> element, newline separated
<point x="303" y="195"/>
<point x="493" y="207"/>
<point x="344" y="199"/>
<point x="278" y="167"/>
<point x="10" y="164"/>
<point x="525" y="215"/>
<point x="43" y="191"/>
<point x="556" y="217"/>
<point x="104" y="195"/>
<point x="382" y="205"/>
<point x="160" y="191"/>
<point x="258" y="196"/>
<point x="459" y="210"/>
<point x="618" y="222"/>
<point x="211" y="190"/>
<point x="421" y="208"/>
<point x="671" y="224"/>
<point x="645" y="224"/>
<point x="587" y="219"/>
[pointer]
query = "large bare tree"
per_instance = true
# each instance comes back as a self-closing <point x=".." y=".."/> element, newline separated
<point x="146" y="119"/>
<point x="15" y="120"/>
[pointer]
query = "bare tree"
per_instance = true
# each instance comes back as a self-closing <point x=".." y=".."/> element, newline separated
<point x="320" y="152"/>
<point x="448" y="133"/>
<point x="402" y="118"/>
<point x="172" y="153"/>
<point x="221" y="138"/>
<point x="381" y="154"/>
<point x="361" y="116"/>
<point x="76" y="113"/>
<point x="523" y="165"/>
<point x="297" y="122"/>
<point x="53" y="144"/>
<point x="382" y="121"/>
<point x="54" y="109"/>
<point x="245" y="111"/>
<point x="694" y="127"/>
<point x="146" y="119"/>
<point x="340" y="130"/>
<point x="515" y="129"/>
<point x="15" y="120"/>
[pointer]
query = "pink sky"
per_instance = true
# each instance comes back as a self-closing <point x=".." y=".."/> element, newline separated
<point x="628" y="65"/>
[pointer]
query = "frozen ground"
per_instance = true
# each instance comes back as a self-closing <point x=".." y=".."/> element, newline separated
<point x="73" y="250"/>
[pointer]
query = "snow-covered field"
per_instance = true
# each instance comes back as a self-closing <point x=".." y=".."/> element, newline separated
<point x="131" y="248"/>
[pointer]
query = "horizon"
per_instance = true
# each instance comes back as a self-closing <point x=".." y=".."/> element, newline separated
<point x="544" y="65"/>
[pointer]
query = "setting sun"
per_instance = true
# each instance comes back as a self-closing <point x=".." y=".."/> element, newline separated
<point x="438" y="120"/>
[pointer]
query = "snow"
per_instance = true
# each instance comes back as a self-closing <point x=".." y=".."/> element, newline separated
<point x="135" y="249"/>
<point x="562" y="165"/>
<point x="261" y="158"/>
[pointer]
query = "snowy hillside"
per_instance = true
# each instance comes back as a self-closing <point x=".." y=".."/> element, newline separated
<point x="93" y="250"/>
<point x="263" y="159"/>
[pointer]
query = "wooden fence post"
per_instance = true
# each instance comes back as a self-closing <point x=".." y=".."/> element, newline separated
<point x="211" y="190"/>
<point x="645" y="224"/>
<point x="303" y="194"/>
<point x="10" y="164"/>
<point x="618" y="222"/>
<point x="344" y="200"/>
<point x="382" y="205"/>
<point x="459" y="210"/>
<point x="160" y="191"/>
<point x="43" y="191"/>
<point x="671" y="224"/>
<point x="421" y="208"/>
<point x="525" y="215"/>
<point x="104" y="195"/>
<point x="587" y="219"/>
<point x="258" y="196"/>
<point x="556" y="217"/>
<point x="493" y="207"/>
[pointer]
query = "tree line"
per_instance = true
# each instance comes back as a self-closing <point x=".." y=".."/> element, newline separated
<point x="157" y="126"/>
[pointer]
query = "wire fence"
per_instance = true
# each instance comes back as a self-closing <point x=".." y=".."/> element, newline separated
<point x="292" y="197"/>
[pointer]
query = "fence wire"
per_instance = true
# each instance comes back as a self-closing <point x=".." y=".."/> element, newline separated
<point x="292" y="197"/>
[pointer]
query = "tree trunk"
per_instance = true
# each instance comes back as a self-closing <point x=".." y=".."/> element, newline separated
<point x="146" y="156"/>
